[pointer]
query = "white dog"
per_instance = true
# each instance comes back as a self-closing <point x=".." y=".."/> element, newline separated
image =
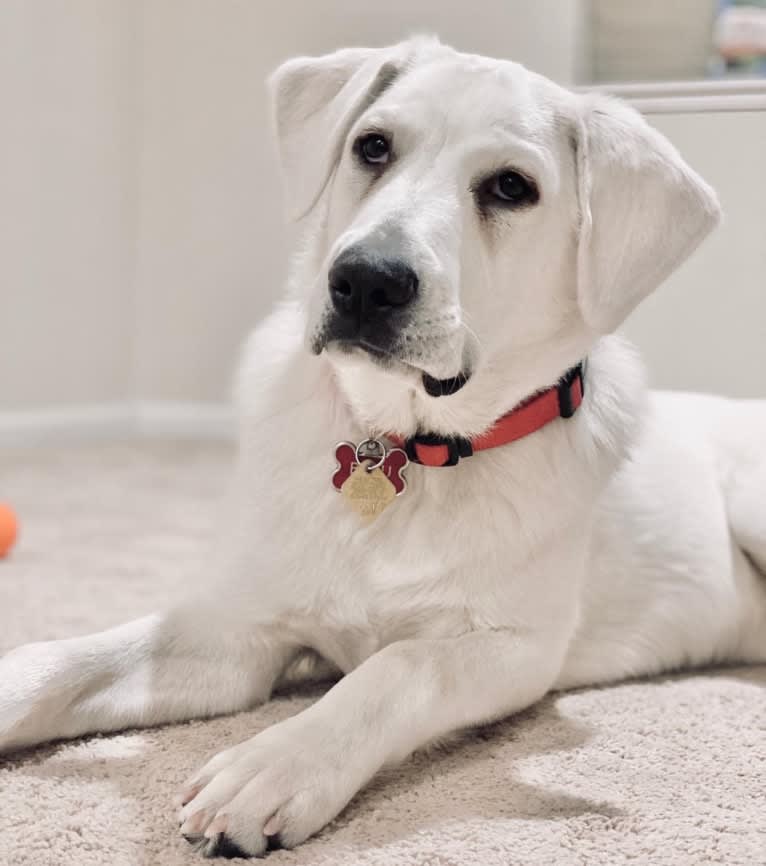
<point x="472" y="234"/>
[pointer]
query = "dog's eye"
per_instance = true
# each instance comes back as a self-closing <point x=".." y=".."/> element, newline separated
<point x="512" y="188"/>
<point x="373" y="148"/>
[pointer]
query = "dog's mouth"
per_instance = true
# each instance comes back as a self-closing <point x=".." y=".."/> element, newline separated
<point x="445" y="387"/>
<point x="360" y="346"/>
<point x="433" y="387"/>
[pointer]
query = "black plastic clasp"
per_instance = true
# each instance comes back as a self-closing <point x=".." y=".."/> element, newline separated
<point x="457" y="447"/>
<point x="564" y="389"/>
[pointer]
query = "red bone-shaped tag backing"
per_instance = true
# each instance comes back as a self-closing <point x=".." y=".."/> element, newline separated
<point x="392" y="466"/>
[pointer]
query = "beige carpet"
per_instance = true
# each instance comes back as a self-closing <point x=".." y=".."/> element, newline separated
<point x="667" y="771"/>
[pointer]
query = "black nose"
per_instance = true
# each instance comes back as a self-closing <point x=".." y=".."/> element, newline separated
<point x="367" y="287"/>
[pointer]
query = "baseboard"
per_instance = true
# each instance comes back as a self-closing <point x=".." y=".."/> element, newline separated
<point x="105" y="421"/>
<point x="204" y="420"/>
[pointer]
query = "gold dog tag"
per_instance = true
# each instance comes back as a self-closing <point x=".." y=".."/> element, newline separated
<point x="368" y="492"/>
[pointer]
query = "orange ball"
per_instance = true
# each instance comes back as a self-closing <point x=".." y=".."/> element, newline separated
<point x="9" y="529"/>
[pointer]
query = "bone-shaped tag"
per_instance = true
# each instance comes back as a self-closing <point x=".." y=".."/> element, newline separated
<point x="393" y="466"/>
<point x="369" y="481"/>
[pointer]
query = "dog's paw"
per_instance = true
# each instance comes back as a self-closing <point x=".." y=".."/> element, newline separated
<point x="272" y="791"/>
<point x="32" y="694"/>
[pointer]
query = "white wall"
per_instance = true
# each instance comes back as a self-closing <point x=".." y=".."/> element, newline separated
<point x="705" y="330"/>
<point x="140" y="222"/>
<point x="210" y="253"/>
<point x="67" y="200"/>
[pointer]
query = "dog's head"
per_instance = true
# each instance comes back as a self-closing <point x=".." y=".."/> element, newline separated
<point x="470" y="223"/>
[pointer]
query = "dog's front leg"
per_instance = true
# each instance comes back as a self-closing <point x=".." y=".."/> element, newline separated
<point x="196" y="660"/>
<point x="290" y="780"/>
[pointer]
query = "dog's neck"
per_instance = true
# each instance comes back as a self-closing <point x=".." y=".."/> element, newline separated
<point x="382" y="401"/>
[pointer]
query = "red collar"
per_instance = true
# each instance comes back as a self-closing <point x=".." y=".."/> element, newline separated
<point x="559" y="401"/>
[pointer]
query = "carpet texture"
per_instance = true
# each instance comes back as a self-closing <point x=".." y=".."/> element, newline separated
<point x="668" y="771"/>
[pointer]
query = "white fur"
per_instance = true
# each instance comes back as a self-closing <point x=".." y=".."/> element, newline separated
<point x="627" y="540"/>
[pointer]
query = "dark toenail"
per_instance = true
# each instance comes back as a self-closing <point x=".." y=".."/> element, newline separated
<point x="274" y="843"/>
<point x="197" y="842"/>
<point x="222" y="846"/>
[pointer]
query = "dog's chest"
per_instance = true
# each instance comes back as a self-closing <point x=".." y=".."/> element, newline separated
<point x="423" y="568"/>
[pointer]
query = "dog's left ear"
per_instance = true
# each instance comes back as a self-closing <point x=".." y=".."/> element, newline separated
<point x="316" y="100"/>
<point x="642" y="210"/>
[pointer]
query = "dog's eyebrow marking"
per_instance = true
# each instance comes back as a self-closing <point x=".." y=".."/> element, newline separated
<point x="387" y="75"/>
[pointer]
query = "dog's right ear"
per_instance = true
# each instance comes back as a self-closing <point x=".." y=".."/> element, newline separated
<point x="316" y="100"/>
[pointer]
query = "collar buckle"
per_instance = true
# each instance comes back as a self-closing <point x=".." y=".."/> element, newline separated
<point x="567" y="404"/>
<point x="428" y="449"/>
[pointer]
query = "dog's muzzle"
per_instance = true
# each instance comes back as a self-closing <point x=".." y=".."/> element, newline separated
<point x="372" y="298"/>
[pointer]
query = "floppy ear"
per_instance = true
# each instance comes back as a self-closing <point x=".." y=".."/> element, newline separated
<point x="643" y="210"/>
<point x="316" y="100"/>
